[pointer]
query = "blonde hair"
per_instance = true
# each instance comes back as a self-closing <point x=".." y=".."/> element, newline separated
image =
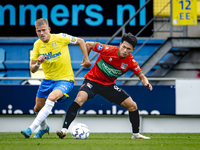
<point x="41" y="21"/>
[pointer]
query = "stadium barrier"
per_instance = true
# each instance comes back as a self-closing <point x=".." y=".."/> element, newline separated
<point x="166" y="109"/>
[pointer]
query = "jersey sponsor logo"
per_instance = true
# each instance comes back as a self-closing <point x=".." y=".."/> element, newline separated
<point x="50" y="55"/>
<point x="123" y="65"/>
<point x="109" y="69"/>
<point x="99" y="47"/>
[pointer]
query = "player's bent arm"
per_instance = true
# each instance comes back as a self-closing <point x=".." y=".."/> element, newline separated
<point x="33" y="66"/>
<point x="86" y="63"/>
<point x="89" y="46"/>
<point x="145" y="81"/>
<point x="81" y="43"/>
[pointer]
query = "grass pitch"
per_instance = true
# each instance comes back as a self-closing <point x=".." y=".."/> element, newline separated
<point x="101" y="141"/>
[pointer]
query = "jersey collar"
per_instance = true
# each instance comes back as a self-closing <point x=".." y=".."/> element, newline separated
<point x="118" y="53"/>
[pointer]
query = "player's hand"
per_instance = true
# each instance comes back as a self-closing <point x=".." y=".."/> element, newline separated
<point x="41" y="59"/>
<point x="86" y="64"/>
<point x="149" y="86"/>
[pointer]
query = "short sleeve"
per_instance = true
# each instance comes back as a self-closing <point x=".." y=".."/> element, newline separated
<point x="100" y="48"/>
<point x="68" y="39"/>
<point x="35" y="54"/>
<point x="136" y="68"/>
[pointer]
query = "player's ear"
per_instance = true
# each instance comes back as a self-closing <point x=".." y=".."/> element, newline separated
<point x="132" y="50"/>
<point x="49" y="29"/>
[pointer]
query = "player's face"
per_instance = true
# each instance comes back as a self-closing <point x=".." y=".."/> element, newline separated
<point x="125" y="49"/>
<point x="43" y="32"/>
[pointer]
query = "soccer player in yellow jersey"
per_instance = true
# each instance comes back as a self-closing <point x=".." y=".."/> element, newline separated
<point x="51" y="50"/>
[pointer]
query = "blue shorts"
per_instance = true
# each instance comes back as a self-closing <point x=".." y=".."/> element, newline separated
<point x="47" y="86"/>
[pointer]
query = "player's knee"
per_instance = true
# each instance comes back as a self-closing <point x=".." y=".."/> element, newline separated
<point x="55" y="95"/>
<point x="81" y="98"/>
<point x="37" y="109"/>
<point x="132" y="106"/>
<point x="80" y="101"/>
<point x="52" y="97"/>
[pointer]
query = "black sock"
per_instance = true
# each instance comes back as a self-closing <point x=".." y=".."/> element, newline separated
<point x="71" y="114"/>
<point x="135" y="121"/>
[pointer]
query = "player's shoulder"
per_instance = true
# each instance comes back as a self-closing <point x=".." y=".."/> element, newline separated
<point x="38" y="42"/>
<point x="56" y="36"/>
<point x="132" y="60"/>
<point x="62" y="35"/>
<point x="131" y="56"/>
<point x="101" y="46"/>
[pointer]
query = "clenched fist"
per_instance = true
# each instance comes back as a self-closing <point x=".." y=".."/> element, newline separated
<point x="41" y="59"/>
<point x="86" y="64"/>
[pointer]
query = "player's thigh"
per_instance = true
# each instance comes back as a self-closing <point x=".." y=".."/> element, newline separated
<point x="87" y="91"/>
<point x="129" y="104"/>
<point x="55" y="95"/>
<point x="39" y="103"/>
<point x="60" y="91"/>
<point x="114" y="94"/>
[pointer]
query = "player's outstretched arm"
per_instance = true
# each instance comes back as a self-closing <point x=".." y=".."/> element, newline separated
<point x="145" y="81"/>
<point x="86" y="62"/>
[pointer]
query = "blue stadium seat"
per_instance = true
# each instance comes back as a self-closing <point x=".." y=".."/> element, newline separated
<point x="2" y="58"/>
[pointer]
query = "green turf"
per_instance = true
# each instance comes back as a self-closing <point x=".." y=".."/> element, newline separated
<point x="101" y="141"/>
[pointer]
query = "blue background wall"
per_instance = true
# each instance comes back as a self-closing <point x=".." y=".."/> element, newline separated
<point x="15" y="55"/>
<point x="20" y="99"/>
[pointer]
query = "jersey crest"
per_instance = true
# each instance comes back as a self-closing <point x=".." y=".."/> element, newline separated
<point x="54" y="44"/>
<point x="123" y="65"/>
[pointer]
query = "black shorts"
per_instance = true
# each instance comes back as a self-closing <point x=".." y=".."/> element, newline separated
<point x="110" y="92"/>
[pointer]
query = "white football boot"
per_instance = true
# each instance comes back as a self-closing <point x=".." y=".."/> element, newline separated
<point x="62" y="133"/>
<point x="139" y="136"/>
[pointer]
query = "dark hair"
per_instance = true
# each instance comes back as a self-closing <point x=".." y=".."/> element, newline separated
<point x="130" y="38"/>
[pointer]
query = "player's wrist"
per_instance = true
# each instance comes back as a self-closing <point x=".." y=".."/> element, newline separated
<point x="38" y="65"/>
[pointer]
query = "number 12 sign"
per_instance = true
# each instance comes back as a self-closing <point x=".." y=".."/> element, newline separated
<point x="184" y="12"/>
